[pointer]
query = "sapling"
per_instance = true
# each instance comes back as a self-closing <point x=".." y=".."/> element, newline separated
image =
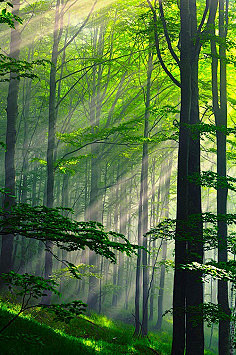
<point x="31" y="289"/>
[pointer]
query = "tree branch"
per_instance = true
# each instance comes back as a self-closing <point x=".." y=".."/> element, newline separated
<point x="79" y="30"/>
<point x="71" y="88"/>
<point x="203" y="17"/>
<point x="85" y="145"/>
<point x="175" y="81"/>
<point x="167" y="34"/>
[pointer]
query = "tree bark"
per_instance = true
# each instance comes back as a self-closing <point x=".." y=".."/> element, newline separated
<point x="194" y="288"/>
<point x="178" y="343"/>
<point x="220" y="112"/>
<point x="165" y="198"/>
<point x="6" y="262"/>
<point x="144" y="182"/>
<point x="51" y="142"/>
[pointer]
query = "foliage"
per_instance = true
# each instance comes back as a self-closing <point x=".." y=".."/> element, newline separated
<point x="210" y="312"/>
<point x="9" y="18"/>
<point x="211" y="179"/>
<point x="48" y="224"/>
<point x="30" y="287"/>
<point x="20" y="68"/>
<point x="166" y="229"/>
<point x="82" y="270"/>
<point x="210" y="269"/>
<point x="66" y="311"/>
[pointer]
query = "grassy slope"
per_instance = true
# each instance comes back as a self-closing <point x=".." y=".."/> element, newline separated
<point x="84" y="335"/>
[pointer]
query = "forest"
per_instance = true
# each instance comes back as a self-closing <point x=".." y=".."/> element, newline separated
<point x="117" y="187"/>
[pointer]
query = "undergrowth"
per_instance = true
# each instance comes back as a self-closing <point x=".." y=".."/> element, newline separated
<point x="37" y="333"/>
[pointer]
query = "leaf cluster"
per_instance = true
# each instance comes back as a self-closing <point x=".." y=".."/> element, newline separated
<point x="81" y="270"/>
<point x="211" y="313"/>
<point x="20" y="68"/>
<point x="48" y="224"/>
<point x="211" y="179"/>
<point x="9" y="18"/>
<point x="64" y="312"/>
<point x="29" y="285"/>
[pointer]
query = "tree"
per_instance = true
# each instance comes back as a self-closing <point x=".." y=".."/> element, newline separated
<point x="188" y="163"/>
<point x="219" y="101"/>
<point x="52" y="119"/>
<point x="6" y="261"/>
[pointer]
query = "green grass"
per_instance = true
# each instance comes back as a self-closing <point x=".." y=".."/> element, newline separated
<point x="37" y="333"/>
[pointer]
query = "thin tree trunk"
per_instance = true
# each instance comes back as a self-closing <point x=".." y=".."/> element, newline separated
<point x="94" y="216"/>
<point x="138" y="273"/>
<point x="122" y="228"/>
<point x="166" y="192"/>
<point x="114" y="276"/>
<point x="144" y="182"/>
<point x="34" y="187"/>
<point x="152" y="224"/>
<point x="51" y="142"/>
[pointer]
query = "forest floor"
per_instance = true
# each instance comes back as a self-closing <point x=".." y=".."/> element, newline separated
<point x="37" y="333"/>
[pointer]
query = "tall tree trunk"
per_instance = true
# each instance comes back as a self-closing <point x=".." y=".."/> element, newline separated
<point x="143" y="219"/>
<point x="122" y="228"/>
<point x="95" y="106"/>
<point x="194" y="288"/>
<point x="51" y="140"/>
<point x="144" y="182"/>
<point x="26" y="244"/>
<point x="138" y="273"/>
<point x="152" y="224"/>
<point x="65" y="192"/>
<point x="6" y="262"/>
<point x="166" y="193"/>
<point x="178" y="343"/>
<point x="114" y="275"/>
<point x="25" y="152"/>
<point x="34" y="175"/>
<point x="221" y="120"/>
<point x="220" y="112"/>
<point x="94" y="216"/>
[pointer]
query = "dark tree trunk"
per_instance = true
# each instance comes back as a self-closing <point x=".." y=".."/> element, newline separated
<point x="25" y="151"/>
<point x="194" y="288"/>
<point x="65" y="192"/>
<point x="26" y="244"/>
<point x="220" y="112"/>
<point x="178" y="344"/>
<point x="221" y="120"/>
<point x="6" y="262"/>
